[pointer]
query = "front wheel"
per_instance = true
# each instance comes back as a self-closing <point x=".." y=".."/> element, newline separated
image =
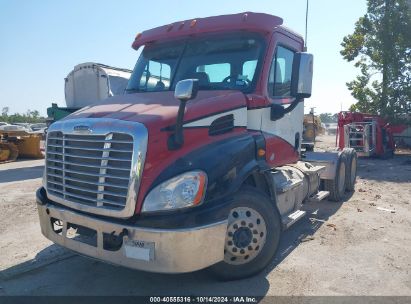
<point x="252" y="236"/>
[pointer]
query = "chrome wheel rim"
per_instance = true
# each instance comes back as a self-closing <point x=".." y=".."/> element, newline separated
<point x="245" y="237"/>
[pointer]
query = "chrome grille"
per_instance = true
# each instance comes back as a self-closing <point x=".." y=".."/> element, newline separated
<point x="95" y="164"/>
<point x="92" y="170"/>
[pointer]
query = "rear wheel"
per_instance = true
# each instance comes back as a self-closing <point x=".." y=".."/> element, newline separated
<point x="252" y="236"/>
<point x="351" y="171"/>
<point x="336" y="186"/>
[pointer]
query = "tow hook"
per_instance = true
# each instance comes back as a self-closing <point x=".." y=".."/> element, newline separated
<point x="123" y="233"/>
<point x="113" y="242"/>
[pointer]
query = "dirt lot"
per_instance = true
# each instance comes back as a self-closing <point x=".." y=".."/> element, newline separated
<point x="348" y="248"/>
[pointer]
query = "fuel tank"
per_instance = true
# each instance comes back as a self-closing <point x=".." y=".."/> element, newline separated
<point x="295" y="183"/>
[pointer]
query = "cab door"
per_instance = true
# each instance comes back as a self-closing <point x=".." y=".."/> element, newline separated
<point x="283" y="136"/>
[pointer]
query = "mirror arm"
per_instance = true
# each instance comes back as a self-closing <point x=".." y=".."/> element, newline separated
<point x="176" y="140"/>
<point x="279" y="111"/>
<point x="293" y="105"/>
<point x="178" y="135"/>
<point x="185" y="90"/>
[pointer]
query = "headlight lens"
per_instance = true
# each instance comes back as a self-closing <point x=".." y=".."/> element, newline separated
<point x="182" y="191"/>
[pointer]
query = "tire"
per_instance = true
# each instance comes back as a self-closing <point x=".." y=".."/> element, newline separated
<point x="309" y="148"/>
<point x="351" y="169"/>
<point x="336" y="187"/>
<point x="252" y="237"/>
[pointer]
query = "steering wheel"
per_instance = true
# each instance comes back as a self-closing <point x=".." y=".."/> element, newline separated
<point x="226" y="80"/>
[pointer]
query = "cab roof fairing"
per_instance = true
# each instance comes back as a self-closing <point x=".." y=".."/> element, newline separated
<point x="258" y="22"/>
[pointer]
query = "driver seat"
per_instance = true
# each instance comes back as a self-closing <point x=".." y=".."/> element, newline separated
<point x="203" y="78"/>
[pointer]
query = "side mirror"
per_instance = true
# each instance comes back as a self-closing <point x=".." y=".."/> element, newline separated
<point x="301" y="82"/>
<point x="186" y="89"/>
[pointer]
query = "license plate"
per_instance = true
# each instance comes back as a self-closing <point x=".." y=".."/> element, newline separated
<point x="139" y="250"/>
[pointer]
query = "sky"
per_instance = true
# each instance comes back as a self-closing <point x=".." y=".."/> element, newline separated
<point x="41" y="41"/>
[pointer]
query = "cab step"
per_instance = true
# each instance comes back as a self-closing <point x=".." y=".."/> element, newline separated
<point x="292" y="218"/>
<point x="319" y="196"/>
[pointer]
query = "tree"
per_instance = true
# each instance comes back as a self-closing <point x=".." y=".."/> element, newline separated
<point x="328" y="118"/>
<point x="381" y="49"/>
<point x="4" y="111"/>
<point x="29" y="117"/>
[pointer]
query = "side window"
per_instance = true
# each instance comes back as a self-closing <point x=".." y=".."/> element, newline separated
<point x="156" y="76"/>
<point x="216" y="72"/>
<point x="279" y="81"/>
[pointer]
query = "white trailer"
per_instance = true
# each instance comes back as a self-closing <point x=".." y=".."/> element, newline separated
<point x="90" y="82"/>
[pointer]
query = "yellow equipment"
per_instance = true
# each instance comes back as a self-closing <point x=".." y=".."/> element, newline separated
<point x="312" y="127"/>
<point x="4" y="153"/>
<point x="19" y="143"/>
<point x="8" y="152"/>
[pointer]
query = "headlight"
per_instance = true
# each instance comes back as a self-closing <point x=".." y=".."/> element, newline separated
<point x="182" y="191"/>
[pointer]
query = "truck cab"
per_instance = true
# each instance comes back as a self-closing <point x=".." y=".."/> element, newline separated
<point x="199" y="164"/>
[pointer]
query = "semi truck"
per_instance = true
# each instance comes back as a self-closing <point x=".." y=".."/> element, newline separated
<point x="199" y="164"/>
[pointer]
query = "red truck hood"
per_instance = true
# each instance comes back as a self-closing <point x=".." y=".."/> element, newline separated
<point x="158" y="110"/>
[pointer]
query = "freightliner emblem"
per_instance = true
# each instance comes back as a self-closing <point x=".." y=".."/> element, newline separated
<point x="82" y="129"/>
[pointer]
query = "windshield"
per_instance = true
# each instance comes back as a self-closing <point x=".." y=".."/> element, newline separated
<point x="219" y="62"/>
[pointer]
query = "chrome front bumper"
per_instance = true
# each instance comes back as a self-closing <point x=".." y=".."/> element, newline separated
<point x="167" y="251"/>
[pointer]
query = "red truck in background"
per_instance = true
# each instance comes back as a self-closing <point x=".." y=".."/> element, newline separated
<point x="367" y="134"/>
<point x="199" y="163"/>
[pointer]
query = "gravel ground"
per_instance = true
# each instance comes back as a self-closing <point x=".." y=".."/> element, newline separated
<point x="349" y="248"/>
<point x="22" y="245"/>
